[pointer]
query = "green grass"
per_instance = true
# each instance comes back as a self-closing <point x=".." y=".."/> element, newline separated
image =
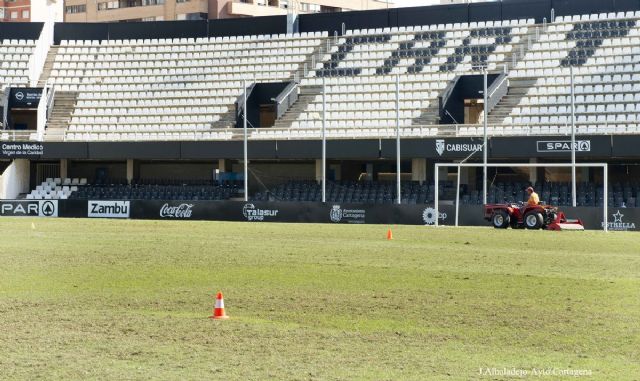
<point x="99" y="299"/>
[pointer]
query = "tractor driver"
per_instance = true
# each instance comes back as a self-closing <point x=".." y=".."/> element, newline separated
<point x="533" y="197"/>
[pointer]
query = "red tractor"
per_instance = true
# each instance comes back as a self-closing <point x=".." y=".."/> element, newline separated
<point x="520" y="216"/>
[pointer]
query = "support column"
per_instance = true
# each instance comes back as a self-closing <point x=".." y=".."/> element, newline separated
<point x="443" y="174"/>
<point x="475" y="178"/>
<point x="464" y="175"/>
<point x="533" y="172"/>
<point x="319" y="171"/>
<point x="64" y="168"/>
<point x="429" y="166"/>
<point x="15" y="179"/>
<point x="130" y="169"/>
<point x="222" y="168"/>
<point x="370" y="172"/>
<point x="222" y="165"/>
<point x="419" y="170"/>
<point x="337" y="172"/>
<point x="583" y="174"/>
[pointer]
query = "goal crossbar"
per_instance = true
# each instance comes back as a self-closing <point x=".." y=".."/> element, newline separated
<point x="605" y="178"/>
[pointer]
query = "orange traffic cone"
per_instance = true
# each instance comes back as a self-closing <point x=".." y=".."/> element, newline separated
<point x="389" y="235"/>
<point x="218" y="308"/>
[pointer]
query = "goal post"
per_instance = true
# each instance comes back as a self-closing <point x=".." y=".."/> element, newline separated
<point x="605" y="178"/>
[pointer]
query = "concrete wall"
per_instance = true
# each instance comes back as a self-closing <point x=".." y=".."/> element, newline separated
<point x="15" y="179"/>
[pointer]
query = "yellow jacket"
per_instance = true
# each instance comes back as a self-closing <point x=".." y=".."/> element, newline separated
<point x="533" y="199"/>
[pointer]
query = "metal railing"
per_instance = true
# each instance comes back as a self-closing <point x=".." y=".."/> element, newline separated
<point x="444" y="98"/>
<point x="51" y="93"/>
<point x="286" y="99"/>
<point x="498" y="89"/>
<point x="5" y="104"/>
<point x="19" y="135"/>
<point x="307" y="133"/>
<point x="287" y="90"/>
<point x="240" y="100"/>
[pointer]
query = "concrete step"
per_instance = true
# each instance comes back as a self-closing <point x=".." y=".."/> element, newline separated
<point x="48" y="65"/>
<point x="63" y="106"/>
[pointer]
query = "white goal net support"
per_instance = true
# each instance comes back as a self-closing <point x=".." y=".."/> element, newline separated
<point x="603" y="166"/>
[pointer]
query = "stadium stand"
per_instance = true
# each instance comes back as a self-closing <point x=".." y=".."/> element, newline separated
<point x="164" y="89"/>
<point x="371" y="192"/>
<point x="588" y="194"/>
<point x="14" y="62"/>
<point x="14" y="67"/>
<point x="374" y="192"/>
<point x="361" y="67"/>
<point x="160" y="190"/>
<point x="157" y="189"/>
<point x="56" y="189"/>
<point x="605" y="52"/>
<point x="185" y="88"/>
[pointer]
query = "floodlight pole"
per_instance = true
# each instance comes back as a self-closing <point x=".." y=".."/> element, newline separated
<point x="246" y="164"/>
<point x="436" y="195"/>
<point x="605" y="179"/>
<point x="485" y="146"/>
<point x="573" y="141"/>
<point x="398" y="186"/>
<point x="457" y="196"/>
<point x="324" y="141"/>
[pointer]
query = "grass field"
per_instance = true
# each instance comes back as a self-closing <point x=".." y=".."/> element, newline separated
<point x="101" y="299"/>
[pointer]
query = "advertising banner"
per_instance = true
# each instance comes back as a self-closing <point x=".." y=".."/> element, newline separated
<point x="24" y="97"/>
<point x="108" y="209"/>
<point x="550" y="146"/>
<point x="444" y="148"/>
<point x="29" y="208"/>
<point x="21" y="150"/>
<point x="619" y="219"/>
<point x="430" y="148"/>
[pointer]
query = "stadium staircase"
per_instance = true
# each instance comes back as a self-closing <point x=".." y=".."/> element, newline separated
<point x="63" y="106"/>
<point x="48" y="65"/>
<point x="227" y="120"/>
<point x="518" y="88"/>
<point x="310" y="61"/>
<point x="428" y="116"/>
<point x="306" y="96"/>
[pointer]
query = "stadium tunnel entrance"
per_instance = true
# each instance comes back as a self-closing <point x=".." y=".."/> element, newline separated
<point x="21" y="111"/>
<point x="266" y="102"/>
<point x="462" y="101"/>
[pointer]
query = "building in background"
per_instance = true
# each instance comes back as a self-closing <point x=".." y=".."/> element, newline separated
<point x="156" y="10"/>
<point x="235" y="8"/>
<point x="31" y="10"/>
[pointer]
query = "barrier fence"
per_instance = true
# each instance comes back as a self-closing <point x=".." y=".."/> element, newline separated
<point x="619" y="219"/>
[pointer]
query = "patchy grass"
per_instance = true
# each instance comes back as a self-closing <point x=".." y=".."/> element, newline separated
<point x="100" y="299"/>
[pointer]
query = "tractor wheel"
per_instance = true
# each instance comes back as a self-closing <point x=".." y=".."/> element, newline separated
<point x="533" y="220"/>
<point x="500" y="220"/>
